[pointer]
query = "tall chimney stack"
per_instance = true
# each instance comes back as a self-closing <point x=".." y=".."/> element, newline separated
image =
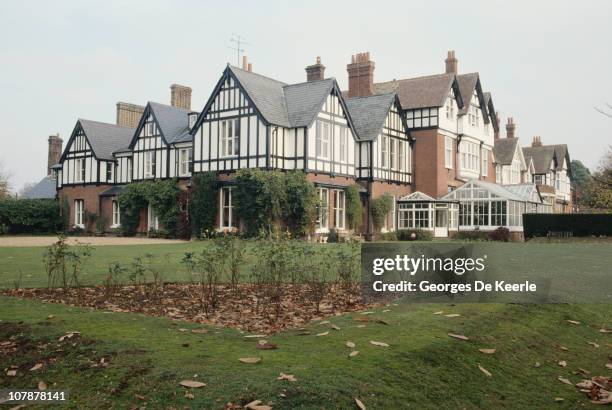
<point x="451" y="62"/>
<point x="245" y="63"/>
<point x="510" y="128"/>
<point x="537" y="142"/>
<point x="361" y="75"/>
<point x="55" y="151"/>
<point x="496" y="132"/>
<point x="316" y="71"/>
<point x="128" y="115"/>
<point x="180" y="96"/>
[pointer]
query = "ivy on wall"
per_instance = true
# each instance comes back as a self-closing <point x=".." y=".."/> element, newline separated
<point x="381" y="207"/>
<point x="204" y="202"/>
<point x="302" y="201"/>
<point x="162" y="196"/>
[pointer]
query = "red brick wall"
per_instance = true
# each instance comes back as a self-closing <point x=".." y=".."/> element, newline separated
<point x="90" y="194"/>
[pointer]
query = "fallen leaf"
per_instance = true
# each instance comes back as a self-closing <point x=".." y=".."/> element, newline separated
<point x="382" y="322"/>
<point x="192" y="384"/>
<point x="42" y="385"/>
<point x="350" y="344"/>
<point x="456" y="336"/>
<point x="593" y="344"/>
<point x="487" y="351"/>
<point x="37" y="366"/>
<point x="381" y="344"/>
<point x="562" y="363"/>
<point x="11" y="373"/>
<point x="303" y="333"/>
<point x="334" y="327"/>
<point x="559" y="399"/>
<point x="605" y="330"/>
<point x="564" y="380"/>
<point x="367" y="313"/>
<point x="609" y="366"/>
<point x="584" y="372"/>
<point x="438" y="312"/>
<point x="359" y="404"/>
<point x="182" y="329"/>
<point x="386" y="310"/>
<point x="361" y="326"/>
<point x="452" y="315"/>
<point x="573" y="322"/>
<point x="189" y="395"/>
<point x="50" y="317"/>
<point x="537" y="364"/>
<point x="323" y="334"/>
<point x="250" y="360"/>
<point x="354" y="353"/>
<point x="325" y="322"/>
<point x="256" y="405"/>
<point x="254" y="336"/>
<point x="485" y="371"/>
<point x="288" y="377"/>
<point x="140" y="397"/>
<point x="199" y="331"/>
<point x="563" y="348"/>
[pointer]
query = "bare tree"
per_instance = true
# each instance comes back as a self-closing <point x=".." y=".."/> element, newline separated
<point x="4" y="183"/>
<point x="605" y="111"/>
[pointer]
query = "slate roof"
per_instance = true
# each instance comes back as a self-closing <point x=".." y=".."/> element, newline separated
<point x="467" y="84"/>
<point x="173" y="122"/>
<point x="45" y="189"/>
<point x="369" y="113"/>
<point x="287" y="105"/>
<point x="106" y="138"/>
<point x="542" y="156"/>
<point x="419" y="92"/>
<point x="504" y="150"/>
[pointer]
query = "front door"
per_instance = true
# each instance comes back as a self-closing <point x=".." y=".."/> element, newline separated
<point x="441" y="227"/>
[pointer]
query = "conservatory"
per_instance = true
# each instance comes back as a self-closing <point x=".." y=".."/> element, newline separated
<point x="420" y="211"/>
<point x="486" y="206"/>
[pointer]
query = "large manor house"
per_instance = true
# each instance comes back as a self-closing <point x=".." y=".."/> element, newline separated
<point x="434" y="143"/>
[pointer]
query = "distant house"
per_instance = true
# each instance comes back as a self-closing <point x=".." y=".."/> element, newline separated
<point x="46" y="187"/>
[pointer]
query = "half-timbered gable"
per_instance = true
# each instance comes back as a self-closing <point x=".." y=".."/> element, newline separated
<point x="161" y="146"/>
<point x="88" y="156"/>
<point x="252" y="121"/>
<point x="510" y="166"/>
<point x="384" y="147"/>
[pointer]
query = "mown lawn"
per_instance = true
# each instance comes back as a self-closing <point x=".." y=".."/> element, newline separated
<point x="422" y="368"/>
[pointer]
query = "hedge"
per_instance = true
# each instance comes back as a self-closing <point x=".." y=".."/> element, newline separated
<point x="204" y="203"/>
<point x="32" y="216"/>
<point x="577" y="224"/>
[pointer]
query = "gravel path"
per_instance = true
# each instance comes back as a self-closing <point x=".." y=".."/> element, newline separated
<point x="26" y="241"/>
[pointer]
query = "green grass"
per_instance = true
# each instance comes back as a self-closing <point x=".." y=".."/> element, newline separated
<point x="423" y="368"/>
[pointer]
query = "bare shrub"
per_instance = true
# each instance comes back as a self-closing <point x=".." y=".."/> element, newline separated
<point x="112" y="282"/>
<point x="348" y="267"/>
<point x="64" y="263"/>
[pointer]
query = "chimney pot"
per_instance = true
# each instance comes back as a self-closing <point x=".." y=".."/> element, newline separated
<point x="361" y="75"/>
<point x="537" y="142"/>
<point x="250" y="67"/>
<point x="245" y="63"/>
<point x="180" y="96"/>
<point x="451" y="62"/>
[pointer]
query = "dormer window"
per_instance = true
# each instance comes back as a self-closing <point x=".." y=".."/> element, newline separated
<point x="193" y="117"/>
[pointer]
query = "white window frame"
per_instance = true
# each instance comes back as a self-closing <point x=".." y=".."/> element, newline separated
<point x="79" y="213"/>
<point x="79" y="170"/>
<point x="192" y="120"/>
<point x="384" y="152"/>
<point x="392" y="153"/>
<point x="322" y="131"/>
<point x="339" y="196"/>
<point x="226" y="192"/>
<point x="323" y="215"/>
<point x="485" y="162"/>
<point x="343" y="145"/>
<point x="230" y="137"/>
<point x="110" y="169"/>
<point x="149" y="172"/>
<point x="116" y="220"/>
<point x="149" y="129"/>
<point x="401" y="151"/>
<point x="448" y="152"/>
<point x="183" y="166"/>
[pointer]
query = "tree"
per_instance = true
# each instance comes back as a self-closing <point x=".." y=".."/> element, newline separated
<point x="25" y="188"/>
<point x="600" y="188"/>
<point x="4" y="183"/>
<point x="581" y="178"/>
<point x="607" y="113"/>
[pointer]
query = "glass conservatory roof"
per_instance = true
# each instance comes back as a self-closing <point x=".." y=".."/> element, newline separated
<point x="419" y="196"/>
<point x="475" y="189"/>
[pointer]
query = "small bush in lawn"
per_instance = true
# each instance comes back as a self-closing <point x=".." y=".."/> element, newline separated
<point x="112" y="282"/>
<point x="501" y="234"/>
<point x="233" y="250"/>
<point x="206" y="269"/>
<point x="317" y="277"/>
<point x="414" y="235"/>
<point x="349" y="267"/>
<point x="64" y="263"/>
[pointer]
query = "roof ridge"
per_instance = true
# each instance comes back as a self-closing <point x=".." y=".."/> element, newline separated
<point x="370" y="96"/>
<point x="106" y="123"/>
<point x="310" y="82"/>
<point x="415" y="78"/>
<point x="257" y="74"/>
<point x="169" y="106"/>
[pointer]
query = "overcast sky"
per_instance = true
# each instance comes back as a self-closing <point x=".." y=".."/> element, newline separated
<point x="547" y="63"/>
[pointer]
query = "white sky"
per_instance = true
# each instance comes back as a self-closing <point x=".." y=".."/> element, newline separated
<point x="547" y="63"/>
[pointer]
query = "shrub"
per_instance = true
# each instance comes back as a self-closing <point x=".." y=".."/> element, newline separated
<point x="332" y="236"/>
<point x="354" y="208"/>
<point x="501" y="234"/>
<point x="472" y="236"/>
<point x="388" y="236"/>
<point x="414" y="235"/>
<point x="204" y="202"/>
<point x="301" y="203"/>
<point x="575" y="224"/>
<point x="33" y="216"/>
<point x="64" y="263"/>
<point x="259" y="198"/>
<point x="381" y="207"/>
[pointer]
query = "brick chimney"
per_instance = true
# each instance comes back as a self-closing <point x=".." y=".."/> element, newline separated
<point x="361" y="75"/>
<point x="496" y="132"/>
<point x="451" y="62"/>
<point x="180" y="96"/>
<point x="128" y="115"/>
<point x="246" y="66"/>
<point x="510" y="128"/>
<point x="316" y="71"/>
<point x="55" y="151"/>
<point x="537" y="142"/>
